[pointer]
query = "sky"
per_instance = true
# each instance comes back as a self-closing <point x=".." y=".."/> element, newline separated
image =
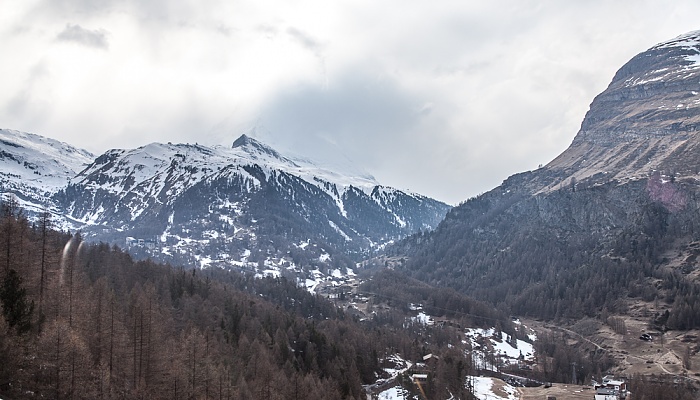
<point x="443" y="98"/>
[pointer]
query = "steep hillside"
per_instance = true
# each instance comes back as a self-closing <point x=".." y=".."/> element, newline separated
<point x="645" y="121"/>
<point x="594" y="227"/>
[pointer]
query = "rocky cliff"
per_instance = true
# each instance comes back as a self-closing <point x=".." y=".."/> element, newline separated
<point x="613" y="218"/>
<point x="646" y="120"/>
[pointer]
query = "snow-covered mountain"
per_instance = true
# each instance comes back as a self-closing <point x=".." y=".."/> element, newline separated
<point x="33" y="168"/>
<point x="244" y="206"/>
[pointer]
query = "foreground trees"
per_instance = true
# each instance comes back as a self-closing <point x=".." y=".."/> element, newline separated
<point x="86" y="321"/>
<point x="109" y="327"/>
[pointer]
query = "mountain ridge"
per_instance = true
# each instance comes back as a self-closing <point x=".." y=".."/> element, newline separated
<point x="34" y="167"/>
<point x="246" y="207"/>
<point x="609" y="221"/>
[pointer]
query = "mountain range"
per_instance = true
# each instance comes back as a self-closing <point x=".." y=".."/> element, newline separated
<point x="246" y="206"/>
<point x="608" y="223"/>
<point x="600" y="246"/>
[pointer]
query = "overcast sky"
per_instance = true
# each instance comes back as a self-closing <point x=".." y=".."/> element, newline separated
<point x="444" y="98"/>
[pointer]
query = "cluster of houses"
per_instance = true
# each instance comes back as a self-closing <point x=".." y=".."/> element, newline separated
<point x="149" y="244"/>
<point x="610" y="388"/>
<point x="421" y="370"/>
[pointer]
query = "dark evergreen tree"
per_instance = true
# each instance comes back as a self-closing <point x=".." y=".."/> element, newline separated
<point x="16" y="308"/>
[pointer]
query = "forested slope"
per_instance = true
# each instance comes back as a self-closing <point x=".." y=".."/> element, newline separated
<point x="86" y="321"/>
<point x="569" y="253"/>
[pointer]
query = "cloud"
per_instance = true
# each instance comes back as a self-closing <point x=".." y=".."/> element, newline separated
<point x="27" y="102"/>
<point x="91" y="38"/>
<point x="446" y="101"/>
<point x="354" y="111"/>
<point x="305" y="40"/>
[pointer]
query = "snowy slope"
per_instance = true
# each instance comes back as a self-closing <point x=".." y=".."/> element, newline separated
<point x="160" y="173"/>
<point x="165" y="171"/>
<point x="34" y="167"/>
<point x="134" y="180"/>
<point x="246" y="206"/>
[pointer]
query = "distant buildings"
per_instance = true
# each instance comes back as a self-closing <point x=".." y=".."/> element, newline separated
<point x="150" y="244"/>
<point x="610" y="389"/>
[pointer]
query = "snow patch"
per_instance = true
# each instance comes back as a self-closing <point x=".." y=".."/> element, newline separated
<point x="340" y="231"/>
<point x="484" y="389"/>
<point x="424" y="319"/>
<point x="395" y="393"/>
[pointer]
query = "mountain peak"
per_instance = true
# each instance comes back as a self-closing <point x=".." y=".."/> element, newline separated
<point x="243" y="140"/>
<point x="645" y="120"/>
<point x="253" y="146"/>
<point x="685" y="40"/>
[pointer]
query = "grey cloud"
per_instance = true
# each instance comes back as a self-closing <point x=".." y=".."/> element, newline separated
<point x="397" y="135"/>
<point x="352" y="107"/>
<point x="25" y="103"/>
<point x="268" y="31"/>
<point x="466" y="70"/>
<point x="91" y="38"/>
<point x="157" y="13"/>
<point x="305" y="40"/>
<point x="73" y="7"/>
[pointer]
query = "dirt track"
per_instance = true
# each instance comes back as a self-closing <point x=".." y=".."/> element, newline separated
<point x="560" y="391"/>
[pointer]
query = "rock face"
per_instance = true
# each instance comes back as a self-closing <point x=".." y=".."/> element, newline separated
<point x="646" y="120"/>
<point x="589" y="228"/>
<point x="654" y="94"/>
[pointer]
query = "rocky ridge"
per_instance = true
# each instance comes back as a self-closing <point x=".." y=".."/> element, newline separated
<point x="646" y="120"/>
<point x="589" y="228"/>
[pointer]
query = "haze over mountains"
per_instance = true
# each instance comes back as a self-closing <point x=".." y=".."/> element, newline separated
<point x="629" y="174"/>
<point x="627" y="180"/>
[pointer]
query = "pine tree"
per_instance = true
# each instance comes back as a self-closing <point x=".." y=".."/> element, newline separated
<point x="16" y="308"/>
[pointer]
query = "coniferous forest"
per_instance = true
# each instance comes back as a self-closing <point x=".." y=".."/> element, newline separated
<point x="86" y="321"/>
<point x="507" y="251"/>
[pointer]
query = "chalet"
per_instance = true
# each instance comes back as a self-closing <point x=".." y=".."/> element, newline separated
<point x="431" y="359"/>
<point x="150" y="244"/>
<point x="130" y="241"/>
<point x="419" y="380"/>
<point x="419" y="368"/>
<point x="605" y="394"/>
<point x="610" y="389"/>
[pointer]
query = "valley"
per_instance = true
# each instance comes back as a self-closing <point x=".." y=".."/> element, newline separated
<point x="241" y="270"/>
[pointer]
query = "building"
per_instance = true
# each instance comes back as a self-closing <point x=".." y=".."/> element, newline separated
<point x="610" y="389"/>
<point x="150" y="244"/>
<point x="431" y="359"/>
<point x="605" y="394"/>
